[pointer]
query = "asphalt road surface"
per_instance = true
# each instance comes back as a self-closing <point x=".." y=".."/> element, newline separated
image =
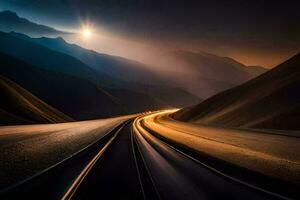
<point x="130" y="162"/>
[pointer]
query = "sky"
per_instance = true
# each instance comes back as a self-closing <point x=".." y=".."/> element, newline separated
<point x="257" y="32"/>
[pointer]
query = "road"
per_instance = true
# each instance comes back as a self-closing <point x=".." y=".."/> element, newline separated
<point x="115" y="175"/>
<point x="130" y="161"/>
<point x="27" y="149"/>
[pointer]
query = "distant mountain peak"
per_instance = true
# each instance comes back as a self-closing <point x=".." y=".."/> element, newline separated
<point x="14" y="33"/>
<point x="60" y="39"/>
<point x="9" y="13"/>
<point x="10" y="21"/>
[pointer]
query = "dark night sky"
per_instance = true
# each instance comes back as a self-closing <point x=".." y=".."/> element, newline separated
<point x="260" y="32"/>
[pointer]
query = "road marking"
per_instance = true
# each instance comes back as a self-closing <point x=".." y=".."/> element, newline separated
<point x="139" y="124"/>
<point x="40" y="173"/>
<point x="136" y="164"/>
<point x="75" y="185"/>
<point x="143" y="159"/>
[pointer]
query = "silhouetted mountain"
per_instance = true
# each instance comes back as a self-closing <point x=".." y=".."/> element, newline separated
<point x="109" y="71"/>
<point x="76" y="97"/>
<point x="43" y="57"/>
<point x="117" y="67"/>
<point x="18" y="106"/>
<point x="270" y="101"/>
<point x="252" y="70"/>
<point x="208" y="74"/>
<point x="10" y="21"/>
<point x="256" y="70"/>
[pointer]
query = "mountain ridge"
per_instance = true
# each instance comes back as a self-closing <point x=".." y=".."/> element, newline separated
<point x="10" y="21"/>
<point x="208" y="73"/>
<point x="19" y="106"/>
<point x="76" y="97"/>
<point x="270" y="101"/>
<point x="111" y="71"/>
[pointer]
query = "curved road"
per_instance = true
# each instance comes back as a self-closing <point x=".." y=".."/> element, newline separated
<point x="132" y="162"/>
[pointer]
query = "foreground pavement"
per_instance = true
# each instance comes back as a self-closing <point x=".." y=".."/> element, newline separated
<point x="138" y="158"/>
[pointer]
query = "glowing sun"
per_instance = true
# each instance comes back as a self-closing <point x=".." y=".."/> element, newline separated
<point x="87" y="33"/>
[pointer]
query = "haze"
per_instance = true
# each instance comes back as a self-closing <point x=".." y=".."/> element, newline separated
<point x="226" y="29"/>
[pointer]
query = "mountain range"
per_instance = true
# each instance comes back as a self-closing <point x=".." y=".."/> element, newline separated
<point x="10" y="21"/>
<point x="85" y="84"/>
<point x="109" y="72"/>
<point x="208" y="74"/>
<point x="116" y="72"/>
<point x="270" y="101"/>
<point x="76" y="97"/>
<point x="205" y="70"/>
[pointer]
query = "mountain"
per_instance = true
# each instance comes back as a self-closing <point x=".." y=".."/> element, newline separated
<point x="270" y="101"/>
<point x="18" y="106"/>
<point x="208" y="74"/>
<point x="10" y="21"/>
<point x="252" y="70"/>
<point x="256" y="70"/>
<point x="76" y="97"/>
<point x="109" y="71"/>
<point x="114" y="66"/>
<point x="136" y="72"/>
<point x="43" y="57"/>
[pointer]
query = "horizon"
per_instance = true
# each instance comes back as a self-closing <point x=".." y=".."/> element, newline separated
<point x="113" y="38"/>
<point x="79" y="32"/>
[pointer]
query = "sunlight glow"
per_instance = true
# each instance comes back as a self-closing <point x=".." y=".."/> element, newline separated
<point x="87" y="33"/>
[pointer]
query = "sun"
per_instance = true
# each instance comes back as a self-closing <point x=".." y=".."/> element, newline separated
<point x="87" y="33"/>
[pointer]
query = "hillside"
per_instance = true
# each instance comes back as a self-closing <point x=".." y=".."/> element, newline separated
<point x="126" y="76"/>
<point x="208" y="74"/>
<point x="270" y="101"/>
<point x="114" y="66"/>
<point x="18" y="106"/>
<point x="76" y="97"/>
<point x="44" y="58"/>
